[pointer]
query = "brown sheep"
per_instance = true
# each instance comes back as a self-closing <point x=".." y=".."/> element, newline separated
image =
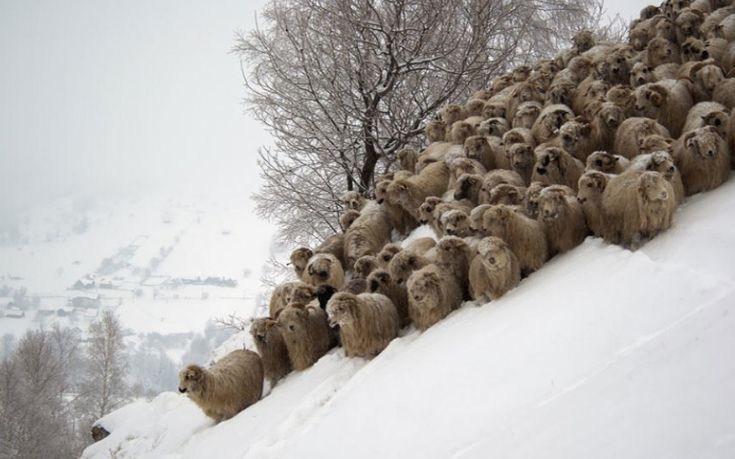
<point x="496" y="107"/>
<point x="662" y="51"/>
<point x="526" y="115"/>
<point x="411" y="192"/>
<point x="638" y="205"/>
<point x="368" y="234"/>
<point x="299" y="259"/>
<point x="407" y="159"/>
<point x="306" y="333"/>
<point x="455" y="222"/>
<point x="562" y="219"/>
<point x="583" y="41"/>
<point x="706" y="78"/>
<point x="688" y="23"/>
<point x="272" y="349"/>
<point x="632" y="131"/>
<point x="493" y="127"/>
<point x="666" y="101"/>
<point x="453" y="113"/>
<point x="426" y="209"/>
<point x="655" y="142"/>
<point x="556" y="166"/>
<point x="300" y="292"/>
<point x="229" y="386"/>
<point x="494" y="271"/>
<point x="367" y="322"/>
<point x="530" y="200"/>
<point x="397" y="217"/>
<point x="508" y="194"/>
<point x="467" y="187"/>
<point x="381" y="282"/>
<point x="518" y="135"/>
<point x="606" y="162"/>
<point x="436" y="131"/>
<point x="280" y="297"/>
<point x="524" y="235"/>
<point x="590" y="91"/>
<point x="693" y="50"/>
<point x="724" y="93"/>
<point x="522" y="158"/>
<point x="703" y="157"/>
<point x="591" y="186"/>
<point x="495" y="178"/>
<point x="353" y="200"/>
<point x="348" y="218"/>
<point x="605" y="122"/>
<point x="707" y="114"/>
<point x="663" y="163"/>
<point x="460" y="131"/>
<point x="476" y="217"/>
<point x="523" y="92"/>
<point x="561" y="92"/>
<point x="364" y="266"/>
<point x="487" y="150"/>
<point x="640" y="74"/>
<point x="324" y="268"/>
<point x="432" y="295"/>
<point x="622" y="96"/>
<point x="461" y="166"/>
<point x="575" y="137"/>
<point x="474" y="106"/>
<point x="549" y="121"/>
<point x="404" y="263"/>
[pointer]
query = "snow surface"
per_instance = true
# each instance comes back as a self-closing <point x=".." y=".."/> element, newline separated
<point x="602" y="353"/>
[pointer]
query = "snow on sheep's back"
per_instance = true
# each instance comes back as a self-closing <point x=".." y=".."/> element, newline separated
<point x="602" y="353"/>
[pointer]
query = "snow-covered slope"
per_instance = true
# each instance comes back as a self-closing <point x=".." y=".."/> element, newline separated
<point x="602" y="353"/>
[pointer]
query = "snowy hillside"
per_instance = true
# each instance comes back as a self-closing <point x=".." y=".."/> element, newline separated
<point x="602" y="353"/>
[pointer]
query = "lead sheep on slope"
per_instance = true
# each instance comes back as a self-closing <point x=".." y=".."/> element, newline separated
<point x="367" y="322"/>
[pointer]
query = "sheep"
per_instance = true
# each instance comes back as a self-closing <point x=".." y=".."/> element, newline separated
<point x="655" y="142"/>
<point x="453" y="256"/>
<point x="495" y="178"/>
<point x="367" y="322"/>
<point x="229" y="386"/>
<point x="605" y="122"/>
<point x="662" y="51"/>
<point x="410" y="193"/>
<point x="521" y="73"/>
<point x="522" y="158"/>
<point x="583" y="41"/>
<point x="460" y="131"/>
<point x="364" y="266"/>
<point x="333" y="245"/>
<point x="576" y="139"/>
<point x="368" y="234"/>
<point x="306" y="333"/>
<point x="455" y="223"/>
<point x="518" y="135"/>
<point x="348" y="218"/>
<point x="616" y="63"/>
<point x="300" y="292"/>
<point x="453" y="113"/>
<point x="530" y="200"/>
<point x="493" y="127"/>
<point x="591" y="186"/>
<point x="693" y="50"/>
<point x="705" y="79"/>
<point x="666" y="101"/>
<point x="380" y="281"/>
<point x="724" y="93"/>
<point x="272" y="349"/>
<point x="638" y="205"/>
<point x="467" y="187"/>
<point x="606" y="162"/>
<point x="622" y="96"/>
<point x="280" y="297"/>
<point x="407" y="159"/>
<point x="591" y="90"/>
<point x="549" y="121"/>
<point x="508" y="194"/>
<point x="524" y="235"/>
<point x="640" y="74"/>
<point x="662" y="162"/>
<point x="707" y="114"/>
<point x="404" y="263"/>
<point x="400" y="220"/>
<point x="487" y="150"/>
<point x="299" y="259"/>
<point x="703" y="157"/>
<point x="324" y="268"/>
<point x="494" y="271"/>
<point x="556" y="166"/>
<point x="523" y="92"/>
<point x="688" y="24"/>
<point x="561" y="92"/>
<point x="461" y="166"/>
<point x="562" y="219"/>
<point x="632" y="131"/>
<point x="474" y="106"/>
<point x="353" y="200"/>
<point x="435" y="131"/>
<point x="432" y="295"/>
<point x="526" y="115"/>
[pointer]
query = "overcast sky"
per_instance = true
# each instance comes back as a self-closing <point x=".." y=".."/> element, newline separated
<point x="109" y="95"/>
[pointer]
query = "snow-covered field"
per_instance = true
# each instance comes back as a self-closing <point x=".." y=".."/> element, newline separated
<point x="602" y="353"/>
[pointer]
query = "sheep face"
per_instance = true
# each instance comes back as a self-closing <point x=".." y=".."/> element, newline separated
<point x="709" y="77"/>
<point x="551" y="204"/>
<point x="341" y="309"/>
<point x="364" y="266"/>
<point x="611" y="115"/>
<point x="548" y="160"/>
<point x="191" y="380"/>
<point x="495" y="220"/>
<point x="455" y="223"/>
<point x="493" y="126"/>
<point x="572" y="132"/>
<point x="495" y="254"/>
<point x="424" y="290"/>
<point x="300" y="258"/>
<point x="353" y="200"/>
<point x="426" y="210"/>
<point x="461" y="131"/>
<point x="381" y="191"/>
<point x="475" y="146"/>
<point x="693" y="50"/>
<point x="662" y="51"/>
<point x="653" y="188"/>
<point x="387" y="253"/>
<point x="402" y="265"/>
<point x="493" y="110"/>
<point x="640" y="74"/>
<point x="521" y="156"/>
<point x="262" y="329"/>
<point x="379" y="281"/>
<point x="655" y="142"/>
<point x="474" y="107"/>
<point x="703" y="143"/>
<point x="531" y="200"/>
<point x="591" y="186"/>
<point x="583" y="41"/>
<point x="507" y="194"/>
<point x="320" y="268"/>
<point x="300" y="293"/>
<point x="602" y="161"/>
<point x="617" y="63"/>
<point x="526" y="115"/>
<point x="662" y="162"/>
<point x="649" y="99"/>
<point x="560" y="94"/>
<point x="436" y="131"/>
<point x="453" y="113"/>
<point x="688" y="22"/>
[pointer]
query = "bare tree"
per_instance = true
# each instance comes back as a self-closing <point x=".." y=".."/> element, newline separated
<point x="104" y="386"/>
<point x="343" y="85"/>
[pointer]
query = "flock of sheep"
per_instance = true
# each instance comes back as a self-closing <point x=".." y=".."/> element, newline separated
<point x="604" y="139"/>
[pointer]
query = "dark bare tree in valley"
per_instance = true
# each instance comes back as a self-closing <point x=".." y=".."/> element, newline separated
<point x="343" y="85"/>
